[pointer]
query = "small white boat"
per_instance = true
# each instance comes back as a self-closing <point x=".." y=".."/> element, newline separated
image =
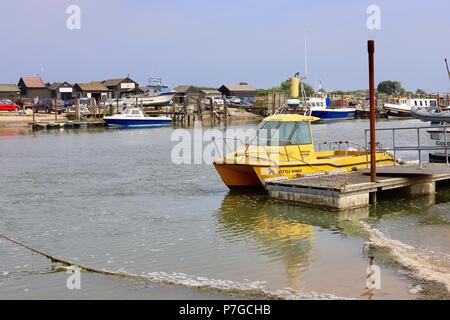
<point x="402" y="107"/>
<point x="161" y="100"/>
<point x="134" y="117"/>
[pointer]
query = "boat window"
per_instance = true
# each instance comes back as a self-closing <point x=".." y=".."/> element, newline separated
<point x="283" y="134"/>
<point x="272" y="133"/>
<point x="415" y="102"/>
<point x="302" y="134"/>
<point x="433" y="103"/>
<point x="135" y="112"/>
<point x="265" y="131"/>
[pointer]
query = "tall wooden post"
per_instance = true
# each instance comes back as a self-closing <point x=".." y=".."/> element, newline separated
<point x="77" y="109"/>
<point x="56" y="111"/>
<point x="225" y="110"/>
<point x="373" y="162"/>
<point x="212" y="111"/>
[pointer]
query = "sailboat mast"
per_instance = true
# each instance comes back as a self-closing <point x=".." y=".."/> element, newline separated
<point x="306" y="56"/>
<point x="448" y="71"/>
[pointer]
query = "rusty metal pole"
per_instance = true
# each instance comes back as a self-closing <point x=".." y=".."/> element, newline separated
<point x="373" y="154"/>
<point x="373" y="162"/>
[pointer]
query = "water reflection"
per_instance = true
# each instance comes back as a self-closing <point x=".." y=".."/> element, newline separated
<point x="280" y="231"/>
<point x="12" y="132"/>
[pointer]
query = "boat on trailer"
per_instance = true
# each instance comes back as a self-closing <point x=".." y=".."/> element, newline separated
<point x="161" y="100"/>
<point x="158" y="95"/>
<point x="134" y="117"/>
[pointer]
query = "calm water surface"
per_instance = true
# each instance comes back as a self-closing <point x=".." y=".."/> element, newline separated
<point x="112" y="199"/>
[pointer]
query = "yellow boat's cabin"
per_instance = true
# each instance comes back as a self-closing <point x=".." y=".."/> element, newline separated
<point x="284" y="147"/>
<point x="284" y="131"/>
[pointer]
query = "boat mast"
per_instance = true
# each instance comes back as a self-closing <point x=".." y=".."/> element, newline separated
<point x="306" y="56"/>
<point x="448" y="71"/>
<point x="302" y="79"/>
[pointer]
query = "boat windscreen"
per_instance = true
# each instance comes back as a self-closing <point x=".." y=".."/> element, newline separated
<point x="302" y="134"/>
<point x="282" y="133"/>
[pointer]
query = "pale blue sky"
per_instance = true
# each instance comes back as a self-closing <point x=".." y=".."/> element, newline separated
<point x="214" y="42"/>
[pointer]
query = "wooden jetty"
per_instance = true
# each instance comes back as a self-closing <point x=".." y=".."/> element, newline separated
<point x="66" y="125"/>
<point x="353" y="190"/>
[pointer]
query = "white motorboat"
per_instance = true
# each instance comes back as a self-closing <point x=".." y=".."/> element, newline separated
<point x="134" y="117"/>
<point x="161" y="100"/>
<point x="401" y="108"/>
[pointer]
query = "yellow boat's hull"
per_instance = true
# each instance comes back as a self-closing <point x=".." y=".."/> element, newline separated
<point x="255" y="175"/>
<point x="238" y="176"/>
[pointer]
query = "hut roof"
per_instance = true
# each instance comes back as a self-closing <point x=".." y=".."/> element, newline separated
<point x="33" y="82"/>
<point x="239" y="87"/>
<point x="9" y="88"/>
<point x="92" y="86"/>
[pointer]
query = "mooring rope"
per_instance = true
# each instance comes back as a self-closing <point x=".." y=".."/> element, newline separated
<point x="63" y="262"/>
<point x="230" y="288"/>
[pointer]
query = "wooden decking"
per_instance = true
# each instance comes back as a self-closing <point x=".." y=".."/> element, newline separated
<point x="426" y="169"/>
<point x="351" y="190"/>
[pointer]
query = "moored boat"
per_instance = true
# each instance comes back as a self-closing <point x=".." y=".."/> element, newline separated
<point x="440" y="134"/>
<point x="161" y="100"/>
<point x="134" y="117"/>
<point x="320" y="107"/>
<point x="284" y="148"/>
<point x="402" y="108"/>
<point x="431" y="114"/>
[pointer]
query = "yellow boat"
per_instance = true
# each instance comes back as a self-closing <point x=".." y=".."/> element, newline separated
<point x="283" y="147"/>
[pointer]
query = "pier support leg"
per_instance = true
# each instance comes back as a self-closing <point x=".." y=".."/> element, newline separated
<point x="373" y="198"/>
<point x="422" y="189"/>
<point x="327" y="199"/>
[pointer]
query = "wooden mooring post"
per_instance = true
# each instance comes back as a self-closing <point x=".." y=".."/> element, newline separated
<point x="225" y="110"/>
<point x="77" y="109"/>
<point x="55" y="108"/>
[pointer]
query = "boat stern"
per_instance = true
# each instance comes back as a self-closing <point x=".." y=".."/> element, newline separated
<point x="237" y="176"/>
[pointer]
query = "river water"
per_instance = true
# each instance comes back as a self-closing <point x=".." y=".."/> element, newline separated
<point x="112" y="199"/>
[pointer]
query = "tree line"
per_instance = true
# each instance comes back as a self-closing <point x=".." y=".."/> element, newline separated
<point x="387" y="87"/>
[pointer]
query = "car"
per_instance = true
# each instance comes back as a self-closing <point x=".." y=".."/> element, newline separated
<point x="8" y="105"/>
<point x="69" y="103"/>
<point x="234" y="100"/>
<point x="112" y="102"/>
<point x="48" y="105"/>
<point x="83" y="110"/>
<point x="247" y="101"/>
<point x="218" y="100"/>
<point x="25" y="103"/>
<point x="83" y="102"/>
